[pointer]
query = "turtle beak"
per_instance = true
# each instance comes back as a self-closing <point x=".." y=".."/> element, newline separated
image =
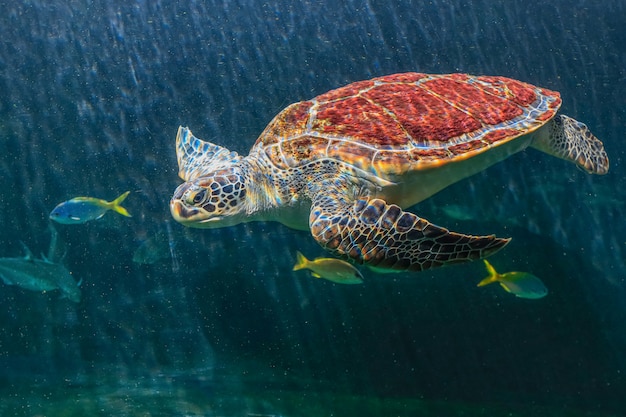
<point x="182" y="212"/>
<point x="187" y="214"/>
<point x="179" y="211"/>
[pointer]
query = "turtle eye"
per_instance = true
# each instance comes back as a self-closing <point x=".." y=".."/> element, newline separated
<point x="198" y="197"/>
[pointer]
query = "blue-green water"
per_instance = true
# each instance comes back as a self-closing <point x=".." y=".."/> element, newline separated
<point x="91" y="96"/>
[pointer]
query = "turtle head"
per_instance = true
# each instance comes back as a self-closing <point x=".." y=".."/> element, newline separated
<point x="211" y="201"/>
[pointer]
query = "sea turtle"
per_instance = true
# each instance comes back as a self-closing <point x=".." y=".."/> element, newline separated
<point x="346" y="164"/>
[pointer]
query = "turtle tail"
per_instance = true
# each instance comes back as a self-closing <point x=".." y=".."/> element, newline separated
<point x="115" y="205"/>
<point x="572" y="140"/>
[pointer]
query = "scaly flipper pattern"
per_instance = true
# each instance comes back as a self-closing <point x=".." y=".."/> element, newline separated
<point x="197" y="158"/>
<point x="372" y="232"/>
<point x="572" y="140"/>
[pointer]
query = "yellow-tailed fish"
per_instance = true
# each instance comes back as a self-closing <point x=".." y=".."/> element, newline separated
<point x="521" y="284"/>
<point x="334" y="270"/>
<point x="82" y="209"/>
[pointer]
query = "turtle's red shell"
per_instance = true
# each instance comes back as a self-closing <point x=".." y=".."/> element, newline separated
<point x="407" y="121"/>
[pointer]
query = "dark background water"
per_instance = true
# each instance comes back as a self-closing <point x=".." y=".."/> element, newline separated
<point x="91" y="95"/>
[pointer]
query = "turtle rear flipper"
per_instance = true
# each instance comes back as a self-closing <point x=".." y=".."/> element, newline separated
<point x="572" y="140"/>
<point x="381" y="235"/>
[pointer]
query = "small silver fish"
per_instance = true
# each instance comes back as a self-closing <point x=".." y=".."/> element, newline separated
<point x="83" y="209"/>
<point x="334" y="270"/>
<point x="521" y="284"/>
<point x="39" y="275"/>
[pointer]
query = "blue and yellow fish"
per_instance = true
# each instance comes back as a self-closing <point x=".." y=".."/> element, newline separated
<point x="521" y="284"/>
<point x="82" y="209"/>
<point x="334" y="270"/>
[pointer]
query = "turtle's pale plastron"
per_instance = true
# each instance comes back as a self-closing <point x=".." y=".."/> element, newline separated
<point x="345" y="164"/>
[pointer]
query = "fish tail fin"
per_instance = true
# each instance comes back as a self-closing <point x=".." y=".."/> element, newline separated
<point x="301" y="262"/>
<point x="115" y="205"/>
<point x="493" y="275"/>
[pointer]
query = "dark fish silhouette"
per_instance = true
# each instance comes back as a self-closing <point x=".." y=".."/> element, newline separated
<point x="39" y="275"/>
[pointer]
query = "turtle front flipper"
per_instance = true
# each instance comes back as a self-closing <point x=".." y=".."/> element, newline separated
<point x="372" y="232"/>
<point x="197" y="158"/>
<point x="572" y="140"/>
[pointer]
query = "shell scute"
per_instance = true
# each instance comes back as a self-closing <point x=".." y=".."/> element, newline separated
<point x="274" y="155"/>
<point x="349" y="90"/>
<point x="357" y="154"/>
<point x="423" y="115"/>
<point x="305" y="148"/>
<point x="402" y="122"/>
<point x="291" y="122"/>
<point x="518" y="92"/>
<point x="405" y="77"/>
<point x="476" y="103"/>
<point x="359" y="117"/>
<point x="388" y="161"/>
<point x="495" y="136"/>
<point x="430" y="154"/>
<point x="465" y="147"/>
